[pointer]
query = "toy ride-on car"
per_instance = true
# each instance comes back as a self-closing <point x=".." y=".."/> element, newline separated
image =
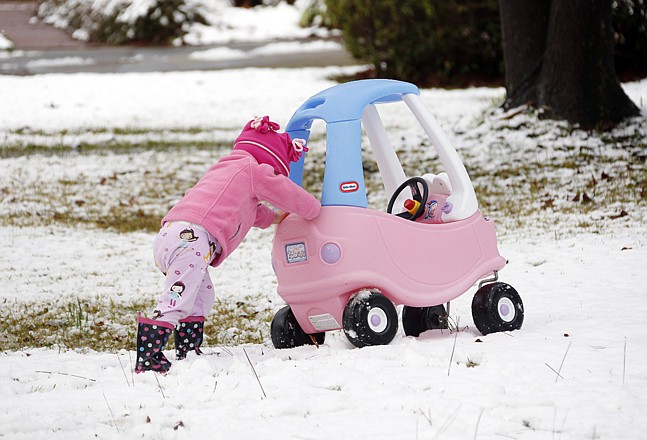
<point x="349" y="267"/>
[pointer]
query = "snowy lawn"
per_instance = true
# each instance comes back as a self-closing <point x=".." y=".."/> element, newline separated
<point x="81" y="148"/>
<point x="90" y="163"/>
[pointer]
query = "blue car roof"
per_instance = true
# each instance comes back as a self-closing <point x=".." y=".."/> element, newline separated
<point x="346" y="102"/>
<point x="341" y="107"/>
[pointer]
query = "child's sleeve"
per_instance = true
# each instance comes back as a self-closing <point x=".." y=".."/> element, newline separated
<point x="264" y="217"/>
<point x="284" y="194"/>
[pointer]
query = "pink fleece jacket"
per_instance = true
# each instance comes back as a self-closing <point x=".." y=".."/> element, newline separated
<point x="226" y="200"/>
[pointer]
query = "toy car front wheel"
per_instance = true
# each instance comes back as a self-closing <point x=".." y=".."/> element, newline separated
<point x="287" y="333"/>
<point x="370" y="318"/>
<point x="416" y="320"/>
<point x="497" y="307"/>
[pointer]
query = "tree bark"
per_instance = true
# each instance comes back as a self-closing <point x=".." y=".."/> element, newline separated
<point x="559" y="56"/>
<point x="524" y="27"/>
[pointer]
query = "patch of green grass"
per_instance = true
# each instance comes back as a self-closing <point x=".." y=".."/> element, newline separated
<point x="124" y="220"/>
<point x="118" y="130"/>
<point x="119" y="219"/>
<point x="121" y="147"/>
<point x="550" y="174"/>
<point x="104" y="325"/>
<point x="594" y="186"/>
<point x="240" y="322"/>
<point x="73" y="324"/>
<point x="120" y="193"/>
<point x="99" y="140"/>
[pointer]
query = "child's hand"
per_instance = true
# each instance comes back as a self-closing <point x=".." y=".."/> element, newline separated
<point x="279" y="216"/>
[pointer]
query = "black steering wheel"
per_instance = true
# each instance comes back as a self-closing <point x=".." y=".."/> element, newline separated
<point x="414" y="184"/>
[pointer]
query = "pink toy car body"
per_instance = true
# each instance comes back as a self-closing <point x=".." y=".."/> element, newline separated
<point x="349" y="267"/>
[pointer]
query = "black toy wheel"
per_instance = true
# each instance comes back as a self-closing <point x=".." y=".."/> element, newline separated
<point x="287" y="333"/>
<point x="370" y="319"/>
<point x="414" y="184"/>
<point x="497" y="307"/>
<point x="416" y="320"/>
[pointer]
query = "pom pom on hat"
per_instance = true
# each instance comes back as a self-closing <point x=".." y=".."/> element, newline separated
<point x="261" y="139"/>
<point x="298" y="148"/>
<point x="263" y="124"/>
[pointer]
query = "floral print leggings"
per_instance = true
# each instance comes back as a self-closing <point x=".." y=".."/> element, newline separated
<point x="183" y="252"/>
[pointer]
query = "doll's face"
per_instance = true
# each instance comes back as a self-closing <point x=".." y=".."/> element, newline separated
<point x="177" y="288"/>
<point x="187" y="235"/>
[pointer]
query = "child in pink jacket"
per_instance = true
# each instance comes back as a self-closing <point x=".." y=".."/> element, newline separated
<point x="207" y="224"/>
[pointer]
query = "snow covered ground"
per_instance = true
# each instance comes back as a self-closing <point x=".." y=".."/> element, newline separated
<point x="583" y="293"/>
<point x="576" y="370"/>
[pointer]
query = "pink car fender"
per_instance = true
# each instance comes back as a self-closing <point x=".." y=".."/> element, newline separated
<point x="320" y="263"/>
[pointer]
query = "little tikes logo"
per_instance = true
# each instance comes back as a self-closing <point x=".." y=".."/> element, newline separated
<point x="349" y="187"/>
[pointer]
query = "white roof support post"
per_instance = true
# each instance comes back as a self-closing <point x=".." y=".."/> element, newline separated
<point x="387" y="161"/>
<point x="463" y="199"/>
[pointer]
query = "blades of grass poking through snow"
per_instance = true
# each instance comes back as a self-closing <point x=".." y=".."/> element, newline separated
<point x="132" y="370"/>
<point x="624" y="361"/>
<point x="561" y="429"/>
<point x="254" y="370"/>
<point x="447" y="423"/>
<point x="66" y="374"/>
<point x="160" y="387"/>
<point x="123" y="369"/>
<point x="562" y="364"/>
<point x="553" y="370"/>
<point x="478" y="422"/>
<point x="225" y="349"/>
<point x="451" y="358"/>
<point x="111" y="414"/>
<point x="215" y="385"/>
<point x="426" y="416"/>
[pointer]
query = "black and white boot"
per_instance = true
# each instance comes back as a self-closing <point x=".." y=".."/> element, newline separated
<point x="152" y="336"/>
<point x="188" y="335"/>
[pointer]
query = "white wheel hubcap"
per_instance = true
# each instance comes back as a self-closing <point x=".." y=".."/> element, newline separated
<point x="506" y="309"/>
<point x="377" y="320"/>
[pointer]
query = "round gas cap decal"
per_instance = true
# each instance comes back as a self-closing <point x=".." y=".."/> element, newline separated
<point x="348" y="187"/>
<point x="330" y="253"/>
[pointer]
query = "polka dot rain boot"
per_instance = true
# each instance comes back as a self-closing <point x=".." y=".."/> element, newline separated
<point x="152" y="336"/>
<point x="188" y="336"/>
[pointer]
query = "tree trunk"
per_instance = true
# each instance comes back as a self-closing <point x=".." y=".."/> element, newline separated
<point x="524" y="27"/>
<point x="563" y="62"/>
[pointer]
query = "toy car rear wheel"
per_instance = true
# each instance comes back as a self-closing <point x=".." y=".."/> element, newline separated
<point x="416" y="320"/>
<point x="370" y="319"/>
<point x="287" y="333"/>
<point x="497" y="307"/>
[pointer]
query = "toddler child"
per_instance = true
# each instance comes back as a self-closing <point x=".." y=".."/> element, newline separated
<point x="207" y="224"/>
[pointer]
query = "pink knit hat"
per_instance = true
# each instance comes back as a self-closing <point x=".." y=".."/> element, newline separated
<point x="261" y="139"/>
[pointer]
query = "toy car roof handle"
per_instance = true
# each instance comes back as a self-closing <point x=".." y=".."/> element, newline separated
<point x="346" y="102"/>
